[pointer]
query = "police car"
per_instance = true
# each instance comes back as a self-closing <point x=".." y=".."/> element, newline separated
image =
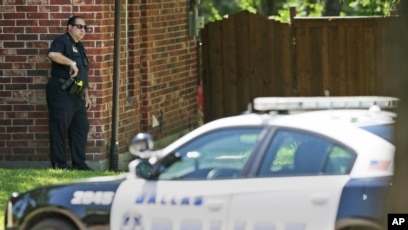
<point x="294" y="163"/>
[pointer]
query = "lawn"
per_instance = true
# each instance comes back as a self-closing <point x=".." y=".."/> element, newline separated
<point x="20" y="180"/>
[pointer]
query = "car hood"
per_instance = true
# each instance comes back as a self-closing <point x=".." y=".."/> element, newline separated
<point x="88" y="200"/>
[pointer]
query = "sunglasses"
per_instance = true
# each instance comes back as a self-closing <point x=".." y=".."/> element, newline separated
<point x="81" y="26"/>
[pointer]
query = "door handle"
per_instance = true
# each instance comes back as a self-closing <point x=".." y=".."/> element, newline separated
<point x="215" y="204"/>
<point x="319" y="198"/>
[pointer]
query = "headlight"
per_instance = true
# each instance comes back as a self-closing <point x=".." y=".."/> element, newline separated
<point x="9" y="215"/>
<point x="9" y="211"/>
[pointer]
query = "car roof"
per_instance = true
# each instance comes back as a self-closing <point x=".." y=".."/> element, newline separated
<point x="314" y="114"/>
<point x="315" y="121"/>
<point x="357" y="117"/>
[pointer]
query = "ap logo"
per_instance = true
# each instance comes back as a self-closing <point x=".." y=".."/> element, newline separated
<point x="397" y="221"/>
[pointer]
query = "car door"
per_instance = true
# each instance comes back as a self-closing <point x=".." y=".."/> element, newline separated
<point x="298" y="185"/>
<point x="190" y="188"/>
<point x="169" y="204"/>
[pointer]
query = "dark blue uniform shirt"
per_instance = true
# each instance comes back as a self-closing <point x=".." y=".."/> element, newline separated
<point x="66" y="45"/>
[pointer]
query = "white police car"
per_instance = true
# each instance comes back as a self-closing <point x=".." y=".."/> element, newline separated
<point x="296" y="163"/>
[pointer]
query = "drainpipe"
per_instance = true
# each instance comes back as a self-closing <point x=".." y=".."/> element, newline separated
<point x="114" y="156"/>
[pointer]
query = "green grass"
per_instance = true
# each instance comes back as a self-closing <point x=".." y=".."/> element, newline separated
<point x="20" y="180"/>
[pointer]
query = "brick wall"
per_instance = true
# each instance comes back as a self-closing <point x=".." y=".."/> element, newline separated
<point x="168" y="81"/>
<point x="158" y="74"/>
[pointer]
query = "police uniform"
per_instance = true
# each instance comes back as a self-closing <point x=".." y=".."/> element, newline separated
<point x="67" y="111"/>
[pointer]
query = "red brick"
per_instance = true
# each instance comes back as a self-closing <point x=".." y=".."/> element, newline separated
<point x="42" y="157"/>
<point x="16" y="86"/>
<point x="4" y="122"/>
<point x="4" y="66"/>
<point x="15" y="59"/>
<point x="12" y="157"/>
<point x="14" y="129"/>
<point x="27" y="23"/>
<point x="12" y="29"/>
<point x="5" y="8"/>
<point x="14" y="16"/>
<point x="36" y="30"/>
<point x="25" y="9"/>
<point x="22" y="136"/>
<point x="47" y="8"/>
<point x="27" y="52"/>
<point x="4" y="37"/>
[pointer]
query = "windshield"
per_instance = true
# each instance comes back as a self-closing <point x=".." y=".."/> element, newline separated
<point x="218" y="154"/>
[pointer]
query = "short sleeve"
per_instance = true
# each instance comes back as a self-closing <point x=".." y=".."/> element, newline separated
<point x="57" y="46"/>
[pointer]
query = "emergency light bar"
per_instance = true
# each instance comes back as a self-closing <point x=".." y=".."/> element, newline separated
<point x="310" y="103"/>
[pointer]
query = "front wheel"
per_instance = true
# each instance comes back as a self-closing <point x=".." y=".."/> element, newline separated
<point x="359" y="228"/>
<point x="53" y="224"/>
<point x="357" y="224"/>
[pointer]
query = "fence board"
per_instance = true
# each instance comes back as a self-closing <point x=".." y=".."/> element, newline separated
<point x="256" y="72"/>
<point x="370" y="56"/>
<point x="213" y="76"/>
<point x="315" y="75"/>
<point x="325" y="59"/>
<point x="243" y="62"/>
<point x="279" y="68"/>
<point x="303" y="52"/>
<point x="230" y="72"/>
<point x="341" y="84"/>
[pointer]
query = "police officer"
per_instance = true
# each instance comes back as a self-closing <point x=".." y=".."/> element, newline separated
<point x="68" y="98"/>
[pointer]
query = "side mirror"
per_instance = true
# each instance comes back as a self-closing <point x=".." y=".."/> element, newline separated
<point x="141" y="145"/>
<point x="140" y="168"/>
<point x="144" y="169"/>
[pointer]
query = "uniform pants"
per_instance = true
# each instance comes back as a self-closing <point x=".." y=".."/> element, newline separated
<point x="68" y="119"/>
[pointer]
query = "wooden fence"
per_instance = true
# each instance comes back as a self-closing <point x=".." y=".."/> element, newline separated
<point x="247" y="56"/>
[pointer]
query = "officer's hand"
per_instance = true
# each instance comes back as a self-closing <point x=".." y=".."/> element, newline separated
<point x="88" y="103"/>
<point x="73" y="72"/>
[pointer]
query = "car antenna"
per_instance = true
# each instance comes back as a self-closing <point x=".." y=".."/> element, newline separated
<point x="249" y="109"/>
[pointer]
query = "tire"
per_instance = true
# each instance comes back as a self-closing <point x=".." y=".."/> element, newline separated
<point x="53" y="224"/>
<point x="358" y="228"/>
<point x="361" y="228"/>
<point x="357" y="224"/>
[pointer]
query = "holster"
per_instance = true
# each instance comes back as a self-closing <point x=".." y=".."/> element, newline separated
<point x="76" y="88"/>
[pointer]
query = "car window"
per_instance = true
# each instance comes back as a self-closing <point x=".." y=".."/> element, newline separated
<point x="340" y="161"/>
<point x="293" y="153"/>
<point x="215" y="155"/>
<point x="385" y="131"/>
